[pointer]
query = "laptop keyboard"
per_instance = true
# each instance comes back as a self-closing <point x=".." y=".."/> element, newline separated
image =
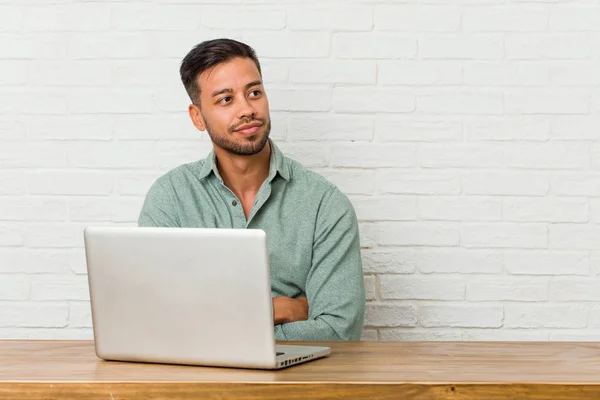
<point x="279" y="354"/>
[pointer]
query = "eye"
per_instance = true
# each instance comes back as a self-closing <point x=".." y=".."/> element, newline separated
<point x="255" y="93"/>
<point x="226" y="100"/>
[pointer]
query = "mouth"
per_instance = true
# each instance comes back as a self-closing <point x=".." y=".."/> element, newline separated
<point x="248" y="129"/>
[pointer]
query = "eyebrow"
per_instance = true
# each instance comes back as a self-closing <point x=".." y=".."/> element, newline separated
<point x="229" y="90"/>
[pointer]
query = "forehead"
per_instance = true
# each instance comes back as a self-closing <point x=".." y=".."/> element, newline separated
<point x="233" y="74"/>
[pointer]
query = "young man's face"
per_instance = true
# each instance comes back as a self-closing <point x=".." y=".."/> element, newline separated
<point x="233" y="107"/>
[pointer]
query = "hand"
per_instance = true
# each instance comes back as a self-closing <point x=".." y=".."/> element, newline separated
<point x="286" y="310"/>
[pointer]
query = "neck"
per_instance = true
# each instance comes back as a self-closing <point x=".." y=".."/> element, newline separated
<point x="244" y="175"/>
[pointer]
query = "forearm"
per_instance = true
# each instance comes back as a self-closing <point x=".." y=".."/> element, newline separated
<point x="325" y="327"/>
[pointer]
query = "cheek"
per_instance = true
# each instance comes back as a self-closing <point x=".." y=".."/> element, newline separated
<point x="220" y="119"/>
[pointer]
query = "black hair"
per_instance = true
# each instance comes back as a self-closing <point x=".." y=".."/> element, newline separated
<point x="208" y="54"/>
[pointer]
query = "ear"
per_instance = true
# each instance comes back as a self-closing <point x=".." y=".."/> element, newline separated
<point x="196" y="117"/>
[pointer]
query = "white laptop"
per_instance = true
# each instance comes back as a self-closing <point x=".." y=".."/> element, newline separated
<point x="185" y="296"/>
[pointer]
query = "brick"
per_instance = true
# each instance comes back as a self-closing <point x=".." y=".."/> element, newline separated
<point x="460" y="316"/>
<point x="351" y="181"/>
<point x="370" y="287"/>
<point x="32" y="102"/>
<point x="462" y="261"/>
<point x="419" y="72"/>
<point x="595" y="318"/>
<point x="71" y="183"/>
<point x="80" y="315"/>
<point x="533" y="46"/>
<point x="358" y="100"/>
<point x="460" y="156"/>
<point x="334" y="71"/>
<point x="507" y="128"/>
<point x="32" y="209"/>
<point x="418" y="335"/>
<point x="575" y="127"/>
<point x="418" y="129"/>
<point x="290" y="44"/>
<point x="11" y="234"/>
<point x="385" y="315"/>
<point x="505" y="19"/>
<point x="461" y="102"/>
<point x="54" y="235"/>
<point x="33" y="314"/>
<point x="172" y="154"/>
<point x="14" y="72"/>
<point x="300" y="99"/>
<point x="70" y="127"/>
<point x="574" y="237"/>
<point x="369" y="335"/>
<point x="505" y="235"/>
<point x="505" y="183"/>
<point x="275" y="70"/>
<point x="330" y="127"/>
<point x="388" y="208"/>
<point x="379" y="261"/>
<point x="11" y="18"/>
<point x="553" y="209"/>
<point x="373" y="155"/>
<point x="113" y="155"/>
<point x="105" y="209"/>
<point x="171" y="99"/>
<point x="399" y="287"/>
<point x="410" y="18"/>
<point x="146" y="73"/>
<point x="576" y="184"/>
<point x="504" y="335"/>
<point x="446" y="208"/>
<point x="418" y="234"/>
<point x="140" y="17"/>
<point x="12" y="130"/>
<point x="584" y="73"/>
<point x="33" y="261"/>
<point x="545" y="316"/>
<point x="66" y="18"/>
<point x="76" y="261"/>
<point x="368" y="234"/>
<point x="309" y="154"/>
<point x="70" y="73"/>
<point x="576" y="336"/>
<point x="42" y="45"/>
<point x="507" y="290"/>
<point x="111" y="101"/>
<point x="243" y="17"/>
<point x="547" y="102"/>
<point x="548" y="155"/>
<point x="373" y="46"/>
<point x="595" y="210"/>
<point x="47" y="155"/>
<point x="595" y="263"/>
<point x="14" y="287"/>
<point x="583" y="289"/>
<point x="107" y="45"/>
<point x="428" y="182"/>
<point x="59" y="287"/>
<point x="461" y="46"/>
<point x="494" y="73"/>
<point x="575" y="18"/>
<point x="329" y="18"/>
<point x="547" y="263"/>
<point x="60" y="334"/>
<point x="134" y="183"/>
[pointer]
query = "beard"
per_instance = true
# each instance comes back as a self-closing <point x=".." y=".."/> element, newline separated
<point x="247" y="146"/>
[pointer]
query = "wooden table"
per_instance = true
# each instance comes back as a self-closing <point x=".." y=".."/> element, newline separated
<point x="355" y="370"/>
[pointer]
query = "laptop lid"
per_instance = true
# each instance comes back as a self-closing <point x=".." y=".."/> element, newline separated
<point x="181" y="295"/>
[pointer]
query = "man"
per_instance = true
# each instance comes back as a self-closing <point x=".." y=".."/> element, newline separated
<point x="247" y="183"/>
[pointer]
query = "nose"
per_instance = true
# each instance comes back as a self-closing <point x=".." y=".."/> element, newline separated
<point x="245" y="109"/>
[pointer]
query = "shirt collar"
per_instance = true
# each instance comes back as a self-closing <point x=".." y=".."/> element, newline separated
<point x="277" y="165"/>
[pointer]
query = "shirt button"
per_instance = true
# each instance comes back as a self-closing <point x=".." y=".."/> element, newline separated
<point x="234" y="203"/>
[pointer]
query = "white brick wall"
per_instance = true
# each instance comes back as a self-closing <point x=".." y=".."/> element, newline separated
<point x="465" y="132"/>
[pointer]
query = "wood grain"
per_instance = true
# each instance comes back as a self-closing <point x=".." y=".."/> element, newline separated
<point x="408" y="370"/>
